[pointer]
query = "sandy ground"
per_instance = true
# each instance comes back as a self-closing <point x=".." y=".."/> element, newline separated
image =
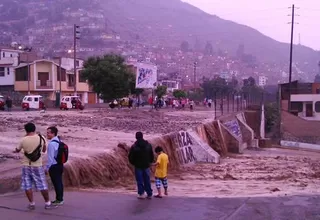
<point x="254" y="173"/>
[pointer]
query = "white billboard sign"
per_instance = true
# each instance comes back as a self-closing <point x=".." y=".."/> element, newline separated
<point x="146" y="76"/>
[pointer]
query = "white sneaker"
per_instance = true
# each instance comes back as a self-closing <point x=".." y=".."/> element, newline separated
<point x="141" y="197"/>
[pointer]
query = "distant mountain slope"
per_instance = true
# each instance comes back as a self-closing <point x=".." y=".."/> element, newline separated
<point x="152" y="21"/>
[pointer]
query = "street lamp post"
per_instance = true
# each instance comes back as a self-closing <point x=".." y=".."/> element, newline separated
<point x="76" y="37"/>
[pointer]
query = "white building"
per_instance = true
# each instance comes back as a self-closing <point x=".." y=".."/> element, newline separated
<point x="170" y="84"/>
<point x="68" y="63"/>
<point x="9" y="60"/>
<point x="263" y="80"/>
<point x="307" y="106"/>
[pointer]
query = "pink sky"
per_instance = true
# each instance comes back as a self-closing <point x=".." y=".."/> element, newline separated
<point x="270" y="17"/>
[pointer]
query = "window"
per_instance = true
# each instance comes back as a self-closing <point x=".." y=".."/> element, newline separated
<point x="3" y="54"/>
<point x="70" y="80"/>
<point x="317" y="106"/>
<point x="29" y="99"/>
<point x="10" y="55"/>
<point x="81" y="79"/>
<point x="36" y="99"/>
<point x="22" y="74"/>
<point x="63" y="74"/>
<point x="8" y="71"/>
<point x="77" y="63"/>
<point x="2" y="71"/>
<point x="297" y="106"/>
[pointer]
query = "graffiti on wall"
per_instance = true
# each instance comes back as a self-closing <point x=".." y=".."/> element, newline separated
<point x="184" y="150"/>
<point x="234" y="127"/>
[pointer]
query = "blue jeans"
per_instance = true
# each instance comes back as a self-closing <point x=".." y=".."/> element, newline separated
<point x="143" y="181"/>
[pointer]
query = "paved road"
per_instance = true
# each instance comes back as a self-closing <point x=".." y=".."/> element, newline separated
<point x="106" y="206"/>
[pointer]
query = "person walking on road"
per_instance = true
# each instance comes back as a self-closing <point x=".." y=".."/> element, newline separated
<point x="33" y="145"/>
<point x="141" y="157"/>
<point x="55" y="169"/>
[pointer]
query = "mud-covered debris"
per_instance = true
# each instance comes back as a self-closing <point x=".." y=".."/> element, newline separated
<point x="275" y="190"/>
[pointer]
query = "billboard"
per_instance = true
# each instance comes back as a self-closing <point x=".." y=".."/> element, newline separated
<point x="146" y="76"/>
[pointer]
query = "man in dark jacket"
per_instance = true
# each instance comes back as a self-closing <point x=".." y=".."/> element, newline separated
<point x="141" y="157"/>
<point x="9" y="103"/>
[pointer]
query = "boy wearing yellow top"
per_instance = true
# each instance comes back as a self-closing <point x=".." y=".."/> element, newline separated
<point x="161" y="171"/>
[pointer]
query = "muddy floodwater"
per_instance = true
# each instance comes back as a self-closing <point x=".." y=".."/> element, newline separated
<point x="96" y="132"/>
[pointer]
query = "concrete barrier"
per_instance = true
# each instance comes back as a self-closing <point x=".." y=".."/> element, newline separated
<point x="299" y="145"/>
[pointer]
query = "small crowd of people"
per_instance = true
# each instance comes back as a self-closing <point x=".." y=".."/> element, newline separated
<point x="174" y="103"/>
<point x="34" y="144"/>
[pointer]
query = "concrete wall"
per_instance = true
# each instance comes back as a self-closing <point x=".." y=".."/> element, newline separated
<point x="296" y="129"/>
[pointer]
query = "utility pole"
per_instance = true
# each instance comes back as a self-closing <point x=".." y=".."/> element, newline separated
<point x="60" y="75"/>
<point x="290" y="63"/>
<point x="28" y="73"/>
<point x="76" y="37"/>
<point x="194" y="75"/>
<point x="28" y="50"/>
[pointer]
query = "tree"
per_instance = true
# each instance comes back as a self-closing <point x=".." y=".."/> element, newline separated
<point x="240" y="51"/>
<point x="234" y="83"/>
<point x="250" y="82"/>
<point x="109" y="76"/>
<point x="161" y="91"/>
<point x="250" y="89"/>
<point x="179" y="93"/>
<point x="196" y="94"/>
<point x="185" y="46"/>
<point x="215" y="87"/>
<point x="208" y="50"/>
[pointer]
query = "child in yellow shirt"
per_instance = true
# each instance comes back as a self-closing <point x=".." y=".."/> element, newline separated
<point x="161" y="171"/>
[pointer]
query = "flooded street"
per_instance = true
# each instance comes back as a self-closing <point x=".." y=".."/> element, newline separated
<point x="95" y="133"/>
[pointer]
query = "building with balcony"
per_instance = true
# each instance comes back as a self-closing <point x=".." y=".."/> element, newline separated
<point x="45" y="80"/>
<point x="170" y="84"/>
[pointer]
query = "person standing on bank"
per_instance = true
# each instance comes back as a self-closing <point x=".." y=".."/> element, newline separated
<point x="9" y="103"/>
<point x="55" y="169"/>
<point x="33" y="145"/>
<point x="141" y="157"/>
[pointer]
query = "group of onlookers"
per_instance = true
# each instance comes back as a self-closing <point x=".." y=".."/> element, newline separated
<point x="34" y="144"/>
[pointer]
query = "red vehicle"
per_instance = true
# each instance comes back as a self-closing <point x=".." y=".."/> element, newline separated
<point x="71" y="102"/>
<point x="33" y="102"/>
<point x="2" y="103"/>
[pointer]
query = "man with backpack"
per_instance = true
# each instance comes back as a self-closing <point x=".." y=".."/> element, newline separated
<point x="33" y="145"/>
<point x="57" y="156"/>
<point x="141" y="157"/>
